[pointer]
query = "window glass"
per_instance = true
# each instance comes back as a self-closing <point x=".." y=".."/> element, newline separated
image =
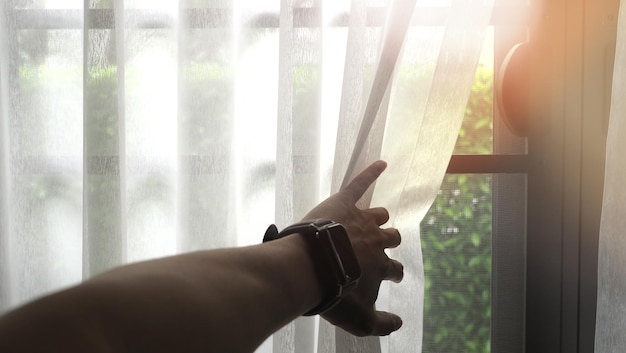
<point x="456" y="243"/>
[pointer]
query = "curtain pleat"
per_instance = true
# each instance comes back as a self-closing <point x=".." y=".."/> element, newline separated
<point x="207" y="205"/>
<point x="182" y="194"/>
<point x="285" y="338"/>
<point x="285" y="125"/>
<point x="358" y="51"/>
<point x="398" y="18"/>
<point x="366" y="132"/>
<point x="7" y="283"/>
<point x="358" y="48"/>
<point x="432" y="130"/>
<point x="104" y="159"/>
<point x="41" y="146"/>
<point x="611" y="305"/>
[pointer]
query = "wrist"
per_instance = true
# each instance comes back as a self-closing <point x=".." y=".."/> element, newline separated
<point x="330" y="251"/>
<point x="299" y="276"/>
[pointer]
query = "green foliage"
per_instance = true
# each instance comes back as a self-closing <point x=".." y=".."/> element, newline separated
<point x="476" y="133"/>
<point x="456" y="242"/>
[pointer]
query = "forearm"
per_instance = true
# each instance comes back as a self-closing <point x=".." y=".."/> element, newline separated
<point x="218" y="300"/>
<point x="214" y="298"/>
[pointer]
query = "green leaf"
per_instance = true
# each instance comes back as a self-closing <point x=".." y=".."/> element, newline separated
<point x="475" y="239"/>
<point x="474" y="261"/>
<point x="467" y="212"/>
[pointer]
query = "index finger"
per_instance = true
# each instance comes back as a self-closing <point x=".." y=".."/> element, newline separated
<point x="357" y="187"/>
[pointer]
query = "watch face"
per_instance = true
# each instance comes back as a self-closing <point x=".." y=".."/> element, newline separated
<point x="346" y="258"/>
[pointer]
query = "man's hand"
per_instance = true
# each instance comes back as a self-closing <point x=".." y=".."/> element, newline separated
<point x="356" y="312"/>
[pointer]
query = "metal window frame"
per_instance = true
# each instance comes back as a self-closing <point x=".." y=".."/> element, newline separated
<point x="565" y="164"/>
<point x="572" y="71"/>
<point x="503" y="15"/>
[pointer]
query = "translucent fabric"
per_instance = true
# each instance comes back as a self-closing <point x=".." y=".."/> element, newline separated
<point x="611" y="306"/>
<point x="137" y="129"/>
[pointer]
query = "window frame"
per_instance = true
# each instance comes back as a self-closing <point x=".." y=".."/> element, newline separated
<point x="572" y="71"/>
<point x="564" y="164"/>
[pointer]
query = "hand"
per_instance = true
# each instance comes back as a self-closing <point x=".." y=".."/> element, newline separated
<point x="355" y="312"/>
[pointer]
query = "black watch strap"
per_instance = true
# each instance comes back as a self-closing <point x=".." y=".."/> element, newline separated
<point x="327" y="270"/>
<point x="272" y="232"/>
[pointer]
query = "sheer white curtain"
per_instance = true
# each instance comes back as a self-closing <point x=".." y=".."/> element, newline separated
<point x="137" y="129"/>
<point x="611" y="308"/>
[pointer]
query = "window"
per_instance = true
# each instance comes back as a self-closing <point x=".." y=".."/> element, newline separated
<point x="473" y="237"/>
<point x="546" y="191"/>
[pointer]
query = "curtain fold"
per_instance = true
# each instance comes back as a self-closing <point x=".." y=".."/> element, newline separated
<point x="421" y="166"/>
<point x="137" y="129"/>
<point x="6" y="299"/>
<point x="611" y="302"/>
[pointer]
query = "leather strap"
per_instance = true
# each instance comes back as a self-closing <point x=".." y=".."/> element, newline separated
<point x="321" y="258"/>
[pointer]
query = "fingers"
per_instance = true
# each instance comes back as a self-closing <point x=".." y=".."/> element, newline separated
<point x="380" y="215"/>
<point x="376" y="323"/>
<point x="391" y="237"/>
<point x="394" y="271"/>
<point x="357" y="187"/>
<point x="386" y="323"/>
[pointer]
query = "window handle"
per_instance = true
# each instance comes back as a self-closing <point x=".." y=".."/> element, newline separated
<point x="513" y="89"/>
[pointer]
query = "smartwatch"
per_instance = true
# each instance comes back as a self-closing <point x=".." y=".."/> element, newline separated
<point x="335" y="262"/>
